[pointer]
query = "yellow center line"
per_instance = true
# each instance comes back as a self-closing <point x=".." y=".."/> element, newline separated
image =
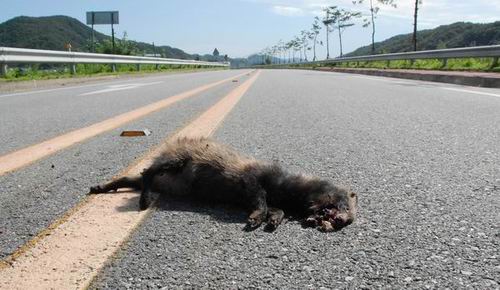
<point x="23" y="157"/>
<point x="74" y="251"/>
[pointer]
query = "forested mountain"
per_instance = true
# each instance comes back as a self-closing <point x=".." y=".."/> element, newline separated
<point x="46" y="33"/>
<point x="460" y="34"/>
<point x="53" y="32"/>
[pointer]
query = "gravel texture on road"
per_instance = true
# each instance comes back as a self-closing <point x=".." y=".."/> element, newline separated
<point x="424" y="161"/>
<point x="31" y="118"/>
<point x="33" y="197"/>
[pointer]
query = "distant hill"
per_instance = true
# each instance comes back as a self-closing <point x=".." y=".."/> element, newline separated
<point x="460" y="34"/>
<point x="45" y="33"/>
<point x="52" y="32"/>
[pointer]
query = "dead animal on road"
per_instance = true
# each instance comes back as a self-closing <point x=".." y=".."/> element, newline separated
<point x="206" y="170"/>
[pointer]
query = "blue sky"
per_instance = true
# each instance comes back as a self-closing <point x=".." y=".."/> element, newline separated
<point x="242" y="27"/>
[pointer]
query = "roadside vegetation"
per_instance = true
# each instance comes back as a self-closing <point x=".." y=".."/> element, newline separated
<point x="122" y="47"/>
<point x="330" y="29"/>
<point x="61" y="32"/>
<point x="36" y="72"/>
<point x="463" y="64"/>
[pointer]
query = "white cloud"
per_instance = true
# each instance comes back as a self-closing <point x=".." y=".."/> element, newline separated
<point x="287" y="10"/>
<point x="432" y="12"/>
<point x="391" y="21"/>
<point x="438" y="12"/>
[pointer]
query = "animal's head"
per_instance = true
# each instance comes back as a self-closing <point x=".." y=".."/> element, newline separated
<point x="333" y="207"/>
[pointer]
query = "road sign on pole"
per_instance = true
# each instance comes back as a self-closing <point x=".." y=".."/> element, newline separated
<point x="103" y="17"/>
<point x="93" y="37"/>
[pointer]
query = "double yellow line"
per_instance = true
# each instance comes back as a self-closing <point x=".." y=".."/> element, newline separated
<point x="20" y="158"/>
<point x="71" y="253"/>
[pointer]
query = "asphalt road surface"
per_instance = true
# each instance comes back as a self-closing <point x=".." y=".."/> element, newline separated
<point x="424" y="158"/>
<point x="35" y="195"/>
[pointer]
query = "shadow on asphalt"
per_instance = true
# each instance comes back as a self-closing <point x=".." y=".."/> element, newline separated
<point x="131" y="205"/>
<point x="221" y="213"/>
<point x="224" y="213"/>
<point x="218" y="212"/>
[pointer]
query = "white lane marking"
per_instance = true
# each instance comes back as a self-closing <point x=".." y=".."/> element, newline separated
<point x="113" y="88"/>
<point x="96" y="85"/>
<point x="49" y="90"/>
<point x="386" y="79"/>
<point x="66" y="88"/>
<point x="472" y="92"/>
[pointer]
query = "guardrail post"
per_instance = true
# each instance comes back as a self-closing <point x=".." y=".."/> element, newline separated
<point x="113" y="67"/>
<point x="3" y="69"/>
<point x="73" y="69"/>
<point x="494" y="63"/>
<point x="157" y="66"/>
<point x="388" y="64"/>
<point x="138" y="66"/>
<point x="444" y="63"/>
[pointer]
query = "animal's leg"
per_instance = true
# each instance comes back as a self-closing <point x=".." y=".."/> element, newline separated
<point x="169" y="166"/>
<point x="274" y="218"/>
<point x="123" y="182"/>
<point x="258" y="208"/>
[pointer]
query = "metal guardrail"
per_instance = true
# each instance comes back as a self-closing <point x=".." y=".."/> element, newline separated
<point x="444" y="54"/>
<point x="9" y="55"/>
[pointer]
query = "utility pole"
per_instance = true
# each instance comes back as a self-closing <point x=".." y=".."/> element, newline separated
<point x="340" y="39"/>
<point x="415" y="26"/>
<point x="157" y="66"/>
<point x="340" y="28"/>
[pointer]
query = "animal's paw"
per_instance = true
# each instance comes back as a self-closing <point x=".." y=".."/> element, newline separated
<point x="310" y="222"/>
<point x="144" y="203"/>
<point x="253" y="223"/>
<point x="255" y="220"/>
<point x="96" y="189"/>
<point x="272" y="224"/>
<point x="275" y="217"/>
<point x="326" y="227"/>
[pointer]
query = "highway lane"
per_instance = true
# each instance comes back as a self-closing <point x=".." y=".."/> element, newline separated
<point x="35" y="196"/>
<point x="31" y="117"/>
<point x="423" y="158"/>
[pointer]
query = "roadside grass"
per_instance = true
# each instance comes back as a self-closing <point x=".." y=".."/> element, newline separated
<point x="462" y="64"/>
<point x="36" y="72"/>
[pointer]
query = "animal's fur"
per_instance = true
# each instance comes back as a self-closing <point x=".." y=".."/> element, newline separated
<point x="207" y="170"/>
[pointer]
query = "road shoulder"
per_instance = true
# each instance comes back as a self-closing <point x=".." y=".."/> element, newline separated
<point x="8" y="86"/>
